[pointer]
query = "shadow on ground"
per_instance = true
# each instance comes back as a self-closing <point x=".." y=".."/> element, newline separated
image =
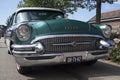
<point x="75" y="72"/>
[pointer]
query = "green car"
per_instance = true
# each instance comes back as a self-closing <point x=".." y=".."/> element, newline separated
<point x="44" y="36"/>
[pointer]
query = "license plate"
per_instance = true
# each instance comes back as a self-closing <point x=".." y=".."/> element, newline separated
<point x="73" y="59"/>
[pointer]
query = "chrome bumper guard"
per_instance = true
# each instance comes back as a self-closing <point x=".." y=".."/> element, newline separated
<point x="29" y="55"/>
<point x="27" y="49"/>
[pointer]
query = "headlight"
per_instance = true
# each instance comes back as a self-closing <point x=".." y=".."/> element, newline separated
<point x="106" y="30"/>
<point x="23" y="32"/>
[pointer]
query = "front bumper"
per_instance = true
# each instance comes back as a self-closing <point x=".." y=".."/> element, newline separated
<point x="32" y="55"/>
<point x="51" y="59"/>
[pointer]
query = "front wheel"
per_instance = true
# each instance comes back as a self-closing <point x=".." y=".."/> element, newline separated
<point x="9" y="52"/>
<point x="88" y="63"/>
<point x="22" y="70"/>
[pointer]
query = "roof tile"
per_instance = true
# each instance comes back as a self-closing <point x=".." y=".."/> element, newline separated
<point x="108" y="15"/>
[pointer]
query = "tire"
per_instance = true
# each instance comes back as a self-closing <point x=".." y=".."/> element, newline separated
<point x="23" y="70"/>
<point x="89" y="63"/>
<point x="9" y="52"/>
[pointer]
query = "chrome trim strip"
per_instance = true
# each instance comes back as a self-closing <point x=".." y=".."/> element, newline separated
<point x="29" y="54"/>
<point x="15" y="46"/>
<point x="64" y="35"/>
<point x="72" y="43"/>
<point x="23" y="52"/>
<point x="38" y="8"/>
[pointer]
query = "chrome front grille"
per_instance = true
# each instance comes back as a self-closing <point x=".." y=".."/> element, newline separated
<point x="59" y="44"/>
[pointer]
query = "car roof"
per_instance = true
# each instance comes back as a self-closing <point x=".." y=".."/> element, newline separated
<point x="37" y="8"/>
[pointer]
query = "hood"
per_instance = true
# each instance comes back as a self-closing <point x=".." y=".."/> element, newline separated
<point x="63" y="26"/>
<point x="68" y="26"/>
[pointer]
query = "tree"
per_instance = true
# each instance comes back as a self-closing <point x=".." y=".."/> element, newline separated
<point x="98" y="12"/>
<point x="8" y="21"/>
<point x="92" y="4"/>
<point x="68" y="6"/>
<point x="65" y="5"/>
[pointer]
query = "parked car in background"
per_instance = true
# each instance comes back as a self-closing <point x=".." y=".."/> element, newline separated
<point x="2" y="30"/>
<point x="43" y="36"/>
<point x="1" y="33"/>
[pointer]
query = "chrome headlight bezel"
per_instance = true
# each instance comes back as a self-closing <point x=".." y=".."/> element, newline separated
<point x="106" y="30"/>
<point x="23" y="32"/>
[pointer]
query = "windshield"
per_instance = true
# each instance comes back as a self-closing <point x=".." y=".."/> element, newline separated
<point x="38" y="15"/>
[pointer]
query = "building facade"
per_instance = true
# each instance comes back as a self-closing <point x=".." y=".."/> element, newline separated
<point x="112" y="18"/>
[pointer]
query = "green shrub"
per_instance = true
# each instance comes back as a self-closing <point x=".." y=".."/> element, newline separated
<point x="114" y="35"/>
<point x="115" y="54"/>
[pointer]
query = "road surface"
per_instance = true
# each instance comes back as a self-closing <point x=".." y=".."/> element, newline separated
<point x="102" y="70"/>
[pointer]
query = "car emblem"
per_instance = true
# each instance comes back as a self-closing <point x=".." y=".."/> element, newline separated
<point x="71" y="27"/>
<point x="74" y="44"/>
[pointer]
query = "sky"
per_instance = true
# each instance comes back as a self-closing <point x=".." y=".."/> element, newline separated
<point x="7" y="7"/>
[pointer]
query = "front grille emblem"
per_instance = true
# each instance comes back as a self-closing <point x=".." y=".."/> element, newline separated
<point x="74" y="44"/>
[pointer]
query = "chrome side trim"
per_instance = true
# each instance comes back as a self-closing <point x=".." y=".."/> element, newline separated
<point x="64" y="35"/>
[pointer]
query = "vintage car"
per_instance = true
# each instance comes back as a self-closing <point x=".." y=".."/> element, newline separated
<point x="44" y="36"/>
